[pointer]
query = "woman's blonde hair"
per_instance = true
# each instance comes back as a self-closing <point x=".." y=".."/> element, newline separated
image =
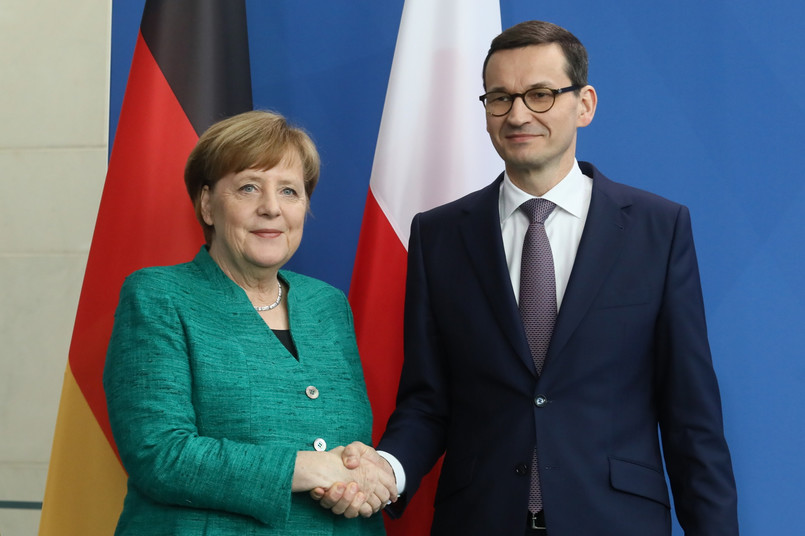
<point x="257" y="139"/>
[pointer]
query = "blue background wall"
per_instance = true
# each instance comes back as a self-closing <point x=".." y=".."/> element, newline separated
<point x="699" y="101"/>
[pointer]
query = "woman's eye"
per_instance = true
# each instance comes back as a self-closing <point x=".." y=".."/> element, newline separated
<point x="288" y="191"/>
<point x="248" y="188"/>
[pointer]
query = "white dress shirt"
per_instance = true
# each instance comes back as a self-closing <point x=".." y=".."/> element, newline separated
<point x="563" y="226"/>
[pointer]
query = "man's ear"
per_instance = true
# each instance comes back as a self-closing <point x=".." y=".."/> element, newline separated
<point x="587" y="102"/>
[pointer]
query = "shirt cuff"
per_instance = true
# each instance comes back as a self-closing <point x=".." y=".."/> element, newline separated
<point x="396" y="466"/>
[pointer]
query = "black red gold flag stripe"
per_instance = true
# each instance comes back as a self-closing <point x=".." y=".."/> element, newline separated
<point x="190" y="68"/>
<point x="216" y="83"/>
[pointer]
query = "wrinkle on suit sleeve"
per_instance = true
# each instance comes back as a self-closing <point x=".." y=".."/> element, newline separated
<point x="696" y="453"/>
<point x="420" y="418"/>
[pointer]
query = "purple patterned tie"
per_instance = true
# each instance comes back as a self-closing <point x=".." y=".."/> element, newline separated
<point x="537" y="304"/>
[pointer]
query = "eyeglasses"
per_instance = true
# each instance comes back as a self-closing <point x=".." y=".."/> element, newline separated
<point x="538" y="100"/>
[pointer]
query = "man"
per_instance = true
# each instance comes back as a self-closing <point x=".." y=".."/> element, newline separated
<point x="627" y="351"/>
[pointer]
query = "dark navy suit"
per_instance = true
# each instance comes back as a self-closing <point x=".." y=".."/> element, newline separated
<point x="629" y="352"/>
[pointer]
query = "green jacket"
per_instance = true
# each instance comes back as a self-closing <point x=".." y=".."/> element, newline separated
<point x="208" y="408"/>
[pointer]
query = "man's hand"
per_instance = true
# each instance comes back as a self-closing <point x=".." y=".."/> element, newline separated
<point x="373" y="487"/>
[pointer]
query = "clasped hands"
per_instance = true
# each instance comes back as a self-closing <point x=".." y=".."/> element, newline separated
<point x="370" y="484"/>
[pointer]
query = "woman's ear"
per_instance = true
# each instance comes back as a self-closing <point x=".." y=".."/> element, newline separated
<point x="206" y="211"/>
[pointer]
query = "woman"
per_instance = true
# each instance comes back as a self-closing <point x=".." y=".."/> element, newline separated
<point x="227" y="378"/>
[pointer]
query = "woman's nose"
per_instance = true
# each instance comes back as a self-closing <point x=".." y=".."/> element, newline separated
<point x="269" y="204"/>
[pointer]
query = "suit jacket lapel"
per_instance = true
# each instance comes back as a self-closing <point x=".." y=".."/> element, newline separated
<point x="480" y="229"/>
<point x="599" y="248"/>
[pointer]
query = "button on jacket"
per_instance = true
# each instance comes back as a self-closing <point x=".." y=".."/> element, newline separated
<point x="629" y="353"/>
<point x="208" y="408"/>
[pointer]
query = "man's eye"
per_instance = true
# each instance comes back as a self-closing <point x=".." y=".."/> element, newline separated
<point x="501" y="97"/>
<point x="539" y="94"/>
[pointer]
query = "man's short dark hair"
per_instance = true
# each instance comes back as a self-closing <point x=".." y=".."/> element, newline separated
<point x="537" y="32"/>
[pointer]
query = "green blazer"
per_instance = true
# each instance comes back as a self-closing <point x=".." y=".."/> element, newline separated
<point x="208" y="408"/>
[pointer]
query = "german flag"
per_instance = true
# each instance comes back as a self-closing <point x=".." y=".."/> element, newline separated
<point x="190" y="68"/>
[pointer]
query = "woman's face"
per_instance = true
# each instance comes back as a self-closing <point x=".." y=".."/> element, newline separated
<point x="258" y="216"/>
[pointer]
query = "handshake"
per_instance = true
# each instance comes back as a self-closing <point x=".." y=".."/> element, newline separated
<point x="349" y="481"/>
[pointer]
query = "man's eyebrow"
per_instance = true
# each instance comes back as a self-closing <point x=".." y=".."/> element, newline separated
<point x="544" y="83"/>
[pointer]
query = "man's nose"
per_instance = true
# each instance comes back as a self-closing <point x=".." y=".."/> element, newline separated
<point x="519" y="113"/>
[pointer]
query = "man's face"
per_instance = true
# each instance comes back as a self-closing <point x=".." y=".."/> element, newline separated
<point x="536" y="142"/>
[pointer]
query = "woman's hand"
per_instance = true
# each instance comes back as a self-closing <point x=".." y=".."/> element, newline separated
<point x="371" y="487"/>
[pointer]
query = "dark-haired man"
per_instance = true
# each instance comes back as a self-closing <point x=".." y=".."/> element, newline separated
<point x="547" y="407"/>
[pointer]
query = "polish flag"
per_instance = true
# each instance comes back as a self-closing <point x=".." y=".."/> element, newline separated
<point x="432" y="148"/>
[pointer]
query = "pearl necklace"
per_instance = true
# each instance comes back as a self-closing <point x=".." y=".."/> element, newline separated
<point x="261" y="308"/>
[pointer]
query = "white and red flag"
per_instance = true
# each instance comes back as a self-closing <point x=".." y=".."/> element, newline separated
<point x="432" y="148"/>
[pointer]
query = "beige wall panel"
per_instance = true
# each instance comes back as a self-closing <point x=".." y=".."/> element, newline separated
<point x="54" y="86"/>
<point x="54" y="57"/>
<point x="19" y="523"/>
<point x="50" y="199"/>
<point x="39" y="296"/>
<point x="23" y="482"/>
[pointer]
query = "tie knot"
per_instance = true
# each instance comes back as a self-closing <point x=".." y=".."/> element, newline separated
<point x="538" y="209"/>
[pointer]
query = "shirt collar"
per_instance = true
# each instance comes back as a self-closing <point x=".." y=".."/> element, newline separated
<point x="568" y="194"/>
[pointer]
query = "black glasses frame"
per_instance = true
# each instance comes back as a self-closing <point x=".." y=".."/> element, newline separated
<point x="514" y="96"/>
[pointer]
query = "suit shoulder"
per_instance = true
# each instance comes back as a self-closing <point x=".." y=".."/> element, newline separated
<point x="638" y="199"/>
<point x="160" y="279"/>
<point x="623" y="193"/>
<point x="638" y="194"/>
<point x="470" y="201"/>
